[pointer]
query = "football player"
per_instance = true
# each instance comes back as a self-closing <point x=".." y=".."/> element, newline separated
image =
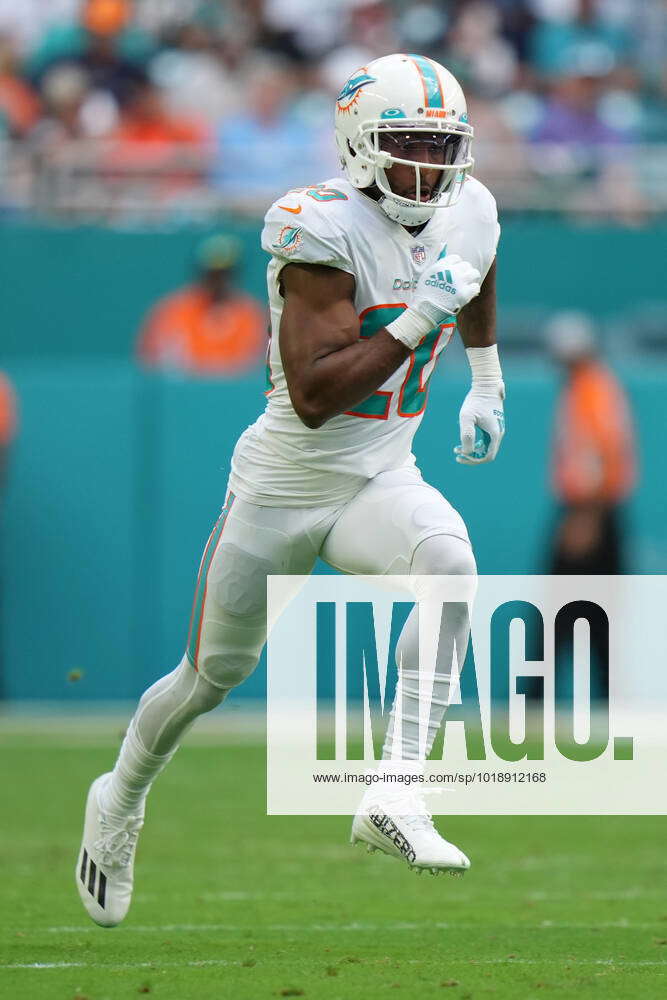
<point x="370" y="274"/>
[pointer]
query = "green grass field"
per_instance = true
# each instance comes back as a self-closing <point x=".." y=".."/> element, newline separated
<point x="232" y="904"/>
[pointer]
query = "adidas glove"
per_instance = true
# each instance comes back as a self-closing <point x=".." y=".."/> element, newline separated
<point x="445" y="286"/>
<point x="482" y="417"/>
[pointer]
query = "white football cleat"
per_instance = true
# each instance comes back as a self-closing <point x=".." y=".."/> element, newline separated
<point x="398" y="823"/>
<point x="105" y="868"/>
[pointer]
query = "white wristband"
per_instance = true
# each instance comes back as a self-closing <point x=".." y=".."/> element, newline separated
<point x="410" y="328"/>
<point x="484" y="364"/>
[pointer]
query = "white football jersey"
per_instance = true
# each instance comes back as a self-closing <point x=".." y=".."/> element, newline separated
<point x="280" y="462"/>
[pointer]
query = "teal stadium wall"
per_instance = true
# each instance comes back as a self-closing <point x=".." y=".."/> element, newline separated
<point x="117" y="477"/>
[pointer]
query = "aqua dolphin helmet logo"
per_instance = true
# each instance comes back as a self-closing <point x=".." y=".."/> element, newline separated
<point x="351" y="92"/>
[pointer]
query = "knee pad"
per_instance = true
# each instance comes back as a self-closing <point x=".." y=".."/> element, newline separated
<point x="230" y="647"/>
<point x="234" y="627"/>
<point x="227" y="669"/>
<point x="443" y="555"/>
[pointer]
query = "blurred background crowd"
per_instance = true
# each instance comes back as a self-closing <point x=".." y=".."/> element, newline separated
<point x="177" y="108"/>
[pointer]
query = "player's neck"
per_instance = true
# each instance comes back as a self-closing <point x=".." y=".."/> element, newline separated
<point x="416" y="230"/>
<point x="375" y="194"/>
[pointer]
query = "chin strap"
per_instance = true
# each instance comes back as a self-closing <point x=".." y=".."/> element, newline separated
<point x="406" y="215"/>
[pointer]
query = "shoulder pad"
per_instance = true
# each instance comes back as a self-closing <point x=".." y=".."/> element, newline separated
<point x="306" y="225"/>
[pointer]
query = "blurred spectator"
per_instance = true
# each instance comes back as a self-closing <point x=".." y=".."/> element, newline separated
<point x="69" y="113"/>
<point x="27" y="21"/>
<point x="156" y="156"/>
<point x="593" y="470"/>
<point x="371" y="25"/>
<point x="571" y="114"/>
<point x="478" y="54"/>
<point x="273" y="143"/>
<point x="648" y="22"/>
<point x="194" y="75"/>
<point x="584" y="148"/>
<point x="422" y="26"/>
<point x="518" y="19"/>
<point x="501" y="157"/>
<point x="585" y="31"/>
<point x="157" y="15"/>
<point x="302" y="29"/>
<point x="594" y="454"/>
<point x="145" y="123"/>
<point x="103" y="44"/>
<point x="209" y="328"/>
<point x="18" y="103"/>
<point x="7" y="434"/>
<point x="7" y="425"/>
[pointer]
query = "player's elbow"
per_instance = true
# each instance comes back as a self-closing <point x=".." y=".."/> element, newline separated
<point x="310" y="415"/>
<point x="309" y="406"/>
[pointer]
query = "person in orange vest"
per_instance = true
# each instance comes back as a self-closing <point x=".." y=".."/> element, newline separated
<point x="7" y="435"/>
<point x="7" y="424"/>
<point x="593" y="465"/>
<point x="208" y="328"/>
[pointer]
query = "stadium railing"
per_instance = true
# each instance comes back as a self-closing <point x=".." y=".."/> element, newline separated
<point x="100" y="180"/>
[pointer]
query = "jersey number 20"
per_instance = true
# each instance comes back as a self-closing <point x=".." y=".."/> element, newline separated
<point x="414" y="390"/>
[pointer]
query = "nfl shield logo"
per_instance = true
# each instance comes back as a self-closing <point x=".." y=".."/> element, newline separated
<point x="418" y="255"/>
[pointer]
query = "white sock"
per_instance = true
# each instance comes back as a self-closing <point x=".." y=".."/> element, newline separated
<point x="415" y="701"/>
<point x="135" y="771"/>
<point x="165" y="713"/>
<point x="421" y="707"/>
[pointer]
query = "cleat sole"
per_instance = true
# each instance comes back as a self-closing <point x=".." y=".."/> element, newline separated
<point x="418" y="869"/>
<point x="432" y="870"/>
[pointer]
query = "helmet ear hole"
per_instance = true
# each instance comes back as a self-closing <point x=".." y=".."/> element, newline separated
<point x="351" y="150"/>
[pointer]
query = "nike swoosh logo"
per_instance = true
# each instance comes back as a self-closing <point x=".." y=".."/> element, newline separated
<point x="294" y="211"/>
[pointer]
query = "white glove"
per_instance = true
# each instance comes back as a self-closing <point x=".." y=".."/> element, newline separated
<point x="445" y="286"/>
<point x="482" y="417"/>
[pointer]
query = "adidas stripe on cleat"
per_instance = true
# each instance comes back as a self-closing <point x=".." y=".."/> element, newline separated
<point x="95" y="880"/>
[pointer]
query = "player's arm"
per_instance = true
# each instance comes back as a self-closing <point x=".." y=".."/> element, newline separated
<point x="483" y="406"/>
<point x="477" y="320"/>
<point x="328" y="367"/>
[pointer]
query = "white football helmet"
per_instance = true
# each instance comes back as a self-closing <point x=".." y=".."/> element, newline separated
<point x="405" y="94"/>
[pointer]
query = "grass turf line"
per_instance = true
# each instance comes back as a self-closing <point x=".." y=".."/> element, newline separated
<point x="231" y="903"/>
